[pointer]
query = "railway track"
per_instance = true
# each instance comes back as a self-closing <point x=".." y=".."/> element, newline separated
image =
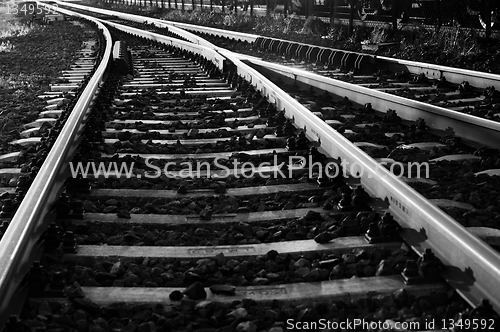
<point x="464" y="91"/>
<point x="230" y="244"/>
<point x="428" y="85"/>
<point x="444" y="125"/>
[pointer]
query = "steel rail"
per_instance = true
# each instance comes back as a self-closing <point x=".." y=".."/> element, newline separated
<point x="477" y="79"/>
<point x="473" y="266"/>
<point x="425" y="225"/>
<point x="475" y="129"/>
<point x="22" y="238"/>
<point x="205" y="51"/>
<point x="469" y="127"/>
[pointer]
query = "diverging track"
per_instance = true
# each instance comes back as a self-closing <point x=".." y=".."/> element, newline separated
<point x="212" y="247"/>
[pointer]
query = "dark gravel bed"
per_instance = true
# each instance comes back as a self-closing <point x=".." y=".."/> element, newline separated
<point x="487" y="108"/>
<point x="166" y="183"/>
<point x="160" y="90"/>
<point x="457" y="182"/>
<point x="240" y="144"/>
<point x="218" y="133"/>
<point x="307" y="227"/>
<point x="148" y="98"/>
<point x="478" y="191"/>
<point x="81" y="314"/>
<point x="151" y="98"/>
<point x="200" y="124"/>
<point x="214" y="204"/>
<point x="366" y="125"/>
<point x="177" y="114"/>
<point x="270" y="269"/>
<point x="187" y="104"/>
<point x="205" y="119"/>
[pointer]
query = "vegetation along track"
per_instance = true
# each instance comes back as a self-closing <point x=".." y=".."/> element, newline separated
<point x="297" y="239"/>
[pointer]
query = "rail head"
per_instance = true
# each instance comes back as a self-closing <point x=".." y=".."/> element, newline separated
<point x="34" y="213"/>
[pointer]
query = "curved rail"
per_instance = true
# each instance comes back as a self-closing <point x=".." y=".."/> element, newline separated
<point x="479" y="130"/>
<point x="473" y="128"/>
<point x="453" y="75"/>
<point x="476" y="129"/>
<point x="457" y="248"/>
<point x="442" y="233"/>
<point x="205" y="51"/>
<point x="19" y="243"/>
